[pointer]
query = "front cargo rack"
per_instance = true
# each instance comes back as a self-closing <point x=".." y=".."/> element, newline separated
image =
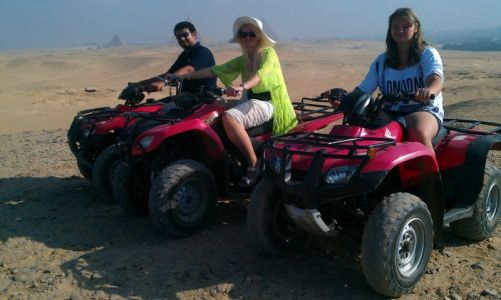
<point x="330" y="141"/>
<point x="358" y="149"/>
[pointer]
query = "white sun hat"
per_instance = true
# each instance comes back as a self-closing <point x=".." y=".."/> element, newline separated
<point x="241" y="21"/>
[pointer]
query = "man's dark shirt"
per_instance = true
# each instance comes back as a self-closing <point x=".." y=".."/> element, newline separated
<point x="198" y="57"/>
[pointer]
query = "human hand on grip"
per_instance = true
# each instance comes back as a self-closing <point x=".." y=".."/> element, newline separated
<point x="424" y="95"/>
<point x="155" y="87"/>
<point x="162" y="80"/>
<point x="334" y="95"/>
<point x="233" y="90"/>
<point x="170" y="76"/>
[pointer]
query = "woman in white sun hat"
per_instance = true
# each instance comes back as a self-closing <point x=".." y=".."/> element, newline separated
<point x="263" y="90"/>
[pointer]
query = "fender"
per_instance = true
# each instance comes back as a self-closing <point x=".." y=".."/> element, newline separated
<point x="468" y="185"/>
<point x="419" y="175"/>
<point x="104" y="127"/>
<point x="414" y="162"/>
<point x="411" y="156"/>
<point x="154" y="107"/>
<point x="452" y="152"/>
<point x="159" y="134"/>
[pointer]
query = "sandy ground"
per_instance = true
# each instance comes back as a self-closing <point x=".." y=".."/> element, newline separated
<point x="58" y="242"/>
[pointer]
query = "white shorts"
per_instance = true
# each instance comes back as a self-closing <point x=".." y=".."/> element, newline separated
<point x="252" y="113"/>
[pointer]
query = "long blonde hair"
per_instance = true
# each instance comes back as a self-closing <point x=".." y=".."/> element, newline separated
<point x="252" y="61"/>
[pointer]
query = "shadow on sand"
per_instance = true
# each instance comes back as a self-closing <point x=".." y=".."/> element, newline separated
<point x="126" y="256"/>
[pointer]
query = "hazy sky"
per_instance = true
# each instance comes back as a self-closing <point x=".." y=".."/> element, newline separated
<point x="55" y="23"/>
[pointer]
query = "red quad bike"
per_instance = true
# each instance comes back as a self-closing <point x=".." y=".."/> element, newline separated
<point x="93" y="132"/>
<point x="365" y="180"/>
<point x="176" y="171"/>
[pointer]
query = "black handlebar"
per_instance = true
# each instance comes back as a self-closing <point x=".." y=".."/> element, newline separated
<point x="405" y="98"/>
<point x="133" y="93"/>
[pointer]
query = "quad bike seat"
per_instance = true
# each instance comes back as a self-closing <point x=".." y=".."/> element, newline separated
<point x="264" y="128"/>
<point x="257" y="131"/>
<point x="442" y="131"/>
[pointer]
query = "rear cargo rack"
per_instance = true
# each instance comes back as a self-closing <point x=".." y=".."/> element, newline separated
<point x="313" y="108"/>
<point x="467" y="126"/>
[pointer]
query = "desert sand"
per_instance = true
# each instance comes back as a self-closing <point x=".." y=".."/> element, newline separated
<point x="57" y="241"/>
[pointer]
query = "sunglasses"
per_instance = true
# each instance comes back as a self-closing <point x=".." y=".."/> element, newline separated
<point x="182" y="35"/>
<point x="244" y="34"/>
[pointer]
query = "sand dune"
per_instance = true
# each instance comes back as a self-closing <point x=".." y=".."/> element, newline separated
<point x="58" y="242"/>
<point x="44" y="89"/>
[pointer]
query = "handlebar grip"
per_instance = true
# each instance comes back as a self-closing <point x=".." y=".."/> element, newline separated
<point x="219" y="91"/>
<point x="165" y="81"/>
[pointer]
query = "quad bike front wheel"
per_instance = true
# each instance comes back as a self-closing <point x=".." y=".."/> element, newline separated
<point x="132" y="197"/>
<point x="486" y="210"/>
<point x="84" y="170"/>
<point x="82" y="167"/>
<point x="102" y="172"/>
<point x="182" y="198"/>
<point x="396" y="244"/>
<point x="270" y="228"/>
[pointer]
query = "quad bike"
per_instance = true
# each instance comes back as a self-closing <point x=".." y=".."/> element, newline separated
<point x="92" y="134"/>
<point x="176" y="171"/>
<point x="364" y="179"/>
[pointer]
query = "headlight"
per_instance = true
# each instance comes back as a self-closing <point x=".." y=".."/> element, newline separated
<point x="340" y="175"/>
<point x="146" y="141"/>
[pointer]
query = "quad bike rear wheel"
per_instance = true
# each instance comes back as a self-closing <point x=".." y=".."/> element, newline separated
<point x="102" y="172"/>
<point x="396" y="244"/>
<point x="486" y="210"/>
<point x="270" y="228"/>
<point x="182" y="198"/>
<point x="127" y="192"/>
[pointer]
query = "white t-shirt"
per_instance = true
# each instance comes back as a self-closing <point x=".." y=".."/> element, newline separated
<point x="391" y="81"/>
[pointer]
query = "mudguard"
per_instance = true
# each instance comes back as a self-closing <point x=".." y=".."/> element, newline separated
<point x="414" y="161"/>
<point x="468" y="185"/>
<point x="104" y="127"/>
<point x="213" y="144"/>
<point x="419" y="175"/>
<point x="401" y="155"/>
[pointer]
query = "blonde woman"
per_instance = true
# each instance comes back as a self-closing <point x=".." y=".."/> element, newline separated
<point x="262" y="87"/>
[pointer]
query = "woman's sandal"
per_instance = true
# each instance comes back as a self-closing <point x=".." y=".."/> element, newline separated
<point x="250" y="177"/>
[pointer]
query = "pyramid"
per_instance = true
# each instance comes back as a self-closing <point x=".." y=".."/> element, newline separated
<point x="116" y="41"/>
